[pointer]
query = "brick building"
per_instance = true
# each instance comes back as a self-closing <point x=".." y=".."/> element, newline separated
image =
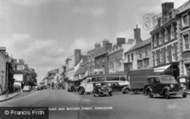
<point x="139" y="56"/>
<point x="116" y="55"/>
<point x="183" y="30"/>
<point x="165" y="42"/>
<point x="101" y="58"/>
<point x="91" y="59"/>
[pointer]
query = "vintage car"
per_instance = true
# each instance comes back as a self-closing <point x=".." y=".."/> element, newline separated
<point x="102" y="89"/>
<point x="164" y="85"/>
<point x="184" y="80"/>
<point x="27" y="88"/>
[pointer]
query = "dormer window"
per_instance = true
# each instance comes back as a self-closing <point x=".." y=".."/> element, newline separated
<point x="185" y="21"/>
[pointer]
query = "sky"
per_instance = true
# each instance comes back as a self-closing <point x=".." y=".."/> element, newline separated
<point x="45" y="32"/>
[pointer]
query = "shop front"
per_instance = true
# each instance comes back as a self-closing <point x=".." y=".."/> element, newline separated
<point x="186" y="63"/>
<point x="168" y="69"/>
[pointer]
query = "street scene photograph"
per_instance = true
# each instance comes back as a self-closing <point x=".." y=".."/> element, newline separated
<point x="94" y="59"/>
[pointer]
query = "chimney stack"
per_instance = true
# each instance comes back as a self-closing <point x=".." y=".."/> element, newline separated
<point x="97" y="45"/>
<point x="120" y="41"/>
<point x="77" y="55"/>
<point x="104" y="42"/>
<point x="166" y="8"/>
<point x="137" y="34"/>
<point x="3" y="49"/>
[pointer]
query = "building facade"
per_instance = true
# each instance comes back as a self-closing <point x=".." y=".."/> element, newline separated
<point x="91" y="59"/>
<point x="101" y="58"/>
<point x="71" y="64"/>
<point x="183" y="34"/>
<point x="3" y="80"/>
<point x="165" y="42"/>
<point x="139" y="56"/>
<point x="116" y="55"/>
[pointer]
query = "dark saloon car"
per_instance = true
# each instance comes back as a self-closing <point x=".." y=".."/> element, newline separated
<point x="102" y="89"/>
<point x="164" y="85"/>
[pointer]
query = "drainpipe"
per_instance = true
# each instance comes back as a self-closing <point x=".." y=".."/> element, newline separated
<point x="7" y="79"/>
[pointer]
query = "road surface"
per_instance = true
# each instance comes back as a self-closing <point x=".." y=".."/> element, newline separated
<point x="118" y="106"/>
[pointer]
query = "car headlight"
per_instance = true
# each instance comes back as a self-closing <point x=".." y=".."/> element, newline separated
<point x="171" y="86"/>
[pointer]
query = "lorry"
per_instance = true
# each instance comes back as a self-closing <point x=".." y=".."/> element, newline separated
<point x="138" y="79"/>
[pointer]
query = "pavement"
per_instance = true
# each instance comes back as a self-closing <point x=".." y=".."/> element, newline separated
<point x="121" y="106"/>
<point x="9" y="96"/>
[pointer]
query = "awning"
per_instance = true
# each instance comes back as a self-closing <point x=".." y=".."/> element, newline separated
<point x="162" y="68"/>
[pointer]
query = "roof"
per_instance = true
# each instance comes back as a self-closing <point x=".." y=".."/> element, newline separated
<point x="184" y="7"/>
<point x="101" y="51"/>
<point x="81" y="70"/>
<point x="139" y="45"/>
<point x="91" y="51"/>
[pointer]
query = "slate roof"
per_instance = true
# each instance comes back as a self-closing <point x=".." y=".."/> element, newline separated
<point x="184" y="7"/>
<point x="139" y="45"/>
<point x="101" y="51"/>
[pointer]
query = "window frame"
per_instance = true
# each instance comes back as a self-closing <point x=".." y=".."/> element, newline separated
<point x="182" y="20"/>
<point x="184" y="43"/>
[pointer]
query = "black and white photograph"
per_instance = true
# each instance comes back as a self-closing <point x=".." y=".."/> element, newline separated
<point x="94" y="59"/>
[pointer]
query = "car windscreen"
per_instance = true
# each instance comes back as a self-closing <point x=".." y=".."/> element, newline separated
<point x="168" y="79"/>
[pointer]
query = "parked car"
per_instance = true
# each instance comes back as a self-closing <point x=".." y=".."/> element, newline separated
<point x="164" y="85"/>
<point x="184" y="80"/>
<point x="26" y="88"/>
<point x="102" y="89"/>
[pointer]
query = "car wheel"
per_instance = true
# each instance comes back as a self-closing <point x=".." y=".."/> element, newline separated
<point x="110" y="93"/>
<point x="146" y="92"/>
<point x="81" y="91"/>
<point x="125" y="91"/>
<point x="184" y="95"/>
<point x="167" y="95"/>
<point x="150" y="94"/>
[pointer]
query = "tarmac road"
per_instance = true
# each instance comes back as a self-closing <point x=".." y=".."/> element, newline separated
<point x="118" y="106"/>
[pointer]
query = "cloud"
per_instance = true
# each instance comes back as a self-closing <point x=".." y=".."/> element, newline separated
<point x="96" y="12"/>
<point x="129" y="33"/>
<point x="81" y="43"/>
<point x="38" y="53"/>
<point x="29" y="2"/>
